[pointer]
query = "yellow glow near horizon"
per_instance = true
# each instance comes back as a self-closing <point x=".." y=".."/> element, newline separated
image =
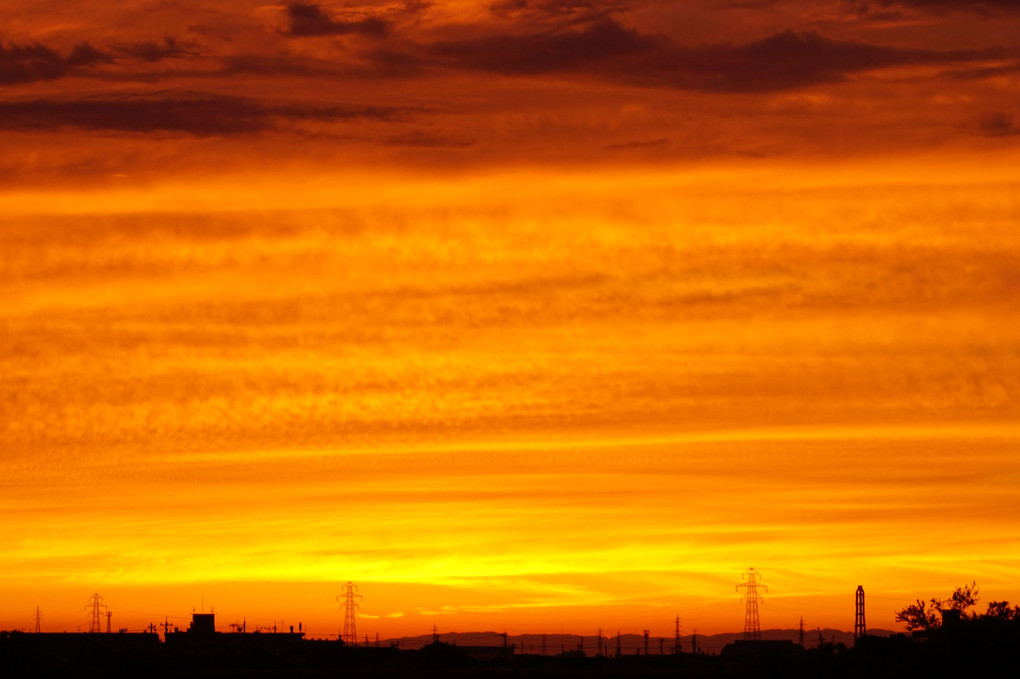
<point x="604" y="400"/>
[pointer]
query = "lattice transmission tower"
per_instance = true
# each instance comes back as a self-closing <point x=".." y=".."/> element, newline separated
<point x="859" y="628"/>
<point x="752" y="627"/>
<point x="350" y="634"/>
<point x="95" y="608"/>
<point x="38" y="620"/>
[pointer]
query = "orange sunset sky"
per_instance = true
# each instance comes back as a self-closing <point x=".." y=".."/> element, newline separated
<point x="534" y="315"/>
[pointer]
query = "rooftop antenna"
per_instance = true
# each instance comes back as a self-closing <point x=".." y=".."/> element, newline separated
<point x="752" y="627"/>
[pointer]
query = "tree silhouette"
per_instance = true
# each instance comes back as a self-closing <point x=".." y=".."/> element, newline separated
<point x="1001" y="610"/>
<point x="963" y="598"/>
<point x="920" y="615"/>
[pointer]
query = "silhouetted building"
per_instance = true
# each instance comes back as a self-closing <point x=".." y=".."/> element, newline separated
<point x="202" y="623"/>
<point x="950" y="617"/>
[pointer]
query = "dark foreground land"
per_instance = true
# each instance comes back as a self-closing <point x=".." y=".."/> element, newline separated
<point x="971" y="648"/>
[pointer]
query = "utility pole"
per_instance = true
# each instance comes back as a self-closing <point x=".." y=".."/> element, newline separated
<point x="859" y="628"/>
<point x="752" y="627"/>
<point x="350" y="593"/>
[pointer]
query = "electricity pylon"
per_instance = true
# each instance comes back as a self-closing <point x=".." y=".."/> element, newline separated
<point x="95" y="608"/>
<point x="38" y="621"/>
<point x="859" y="627"/>
<point x="350" y="634"/>
<point x="752" y="627"/>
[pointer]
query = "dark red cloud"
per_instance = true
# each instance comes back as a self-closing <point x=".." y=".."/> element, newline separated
<point x="998" y="124"/>
<point x="150" y="51"/>
<point x="559" y="11"/>
<point x="29" y="63"/>
<point x="606" y="49"/>
<point x="893" y="9"/>
<point x="309" y="20"/>
<point x="195" y="114"/>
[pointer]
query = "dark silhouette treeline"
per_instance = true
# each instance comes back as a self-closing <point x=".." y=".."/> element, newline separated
<point x="966" y="645"/>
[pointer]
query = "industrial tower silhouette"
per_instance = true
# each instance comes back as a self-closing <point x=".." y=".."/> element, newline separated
<point x="859" y="628"/>
<point x="752" y="627"/>
<point x="350" y="634"/>
<point x="95" y="608"/>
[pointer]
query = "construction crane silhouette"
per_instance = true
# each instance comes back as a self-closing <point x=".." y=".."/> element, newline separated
<point x="752" y="627"/>
<point x="350" y="634"/>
